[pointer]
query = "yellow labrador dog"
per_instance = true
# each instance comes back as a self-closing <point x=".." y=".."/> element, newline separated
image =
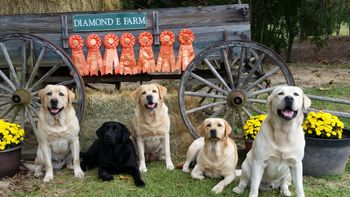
<point x="57" y="133"/>
<point x="151" y="124"/>
<point x="278" y="149"/>
<point x="215" y="152"/>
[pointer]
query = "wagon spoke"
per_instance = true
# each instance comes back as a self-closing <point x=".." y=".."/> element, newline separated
<point x="5" y="103"/>
<point x="259" y="92"/>
<point x="22" y="116"/>
<point x="24" y="64"/>
<point x="36" y="67"/>
<point x="218" y="112"/>
<point x="209" y="83"/>
<point x="7" y="111"/>
<point x="34" y="110"/>
<point x="329" y="99"/>
<point x="262" y="78"/>
<point x="31" y="120"/>
<point x="199" y="94"/>
<point x="240" y="67"/>
<point x="216" y="74"/>
<point x="228" y="69"/>
<point x="262" y="101"/>
<point x="205" y="106"/>
<point x="5" y="95"/>
<point x="255" y="67"/>
<point x="240" y="115"/>
<point x="7" y="80"/>
<point x="49" y="73"/>
<point x="9" y="63"/>
<point x="255" y="109"/>
<point x="66" y="82"/>
<point x="246" y="111"/>
<point x="15" y="113"/>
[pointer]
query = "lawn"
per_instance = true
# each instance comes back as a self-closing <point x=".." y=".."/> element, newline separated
<point x="161" y="182"/>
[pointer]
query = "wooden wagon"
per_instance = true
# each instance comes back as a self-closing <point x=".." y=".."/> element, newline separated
<point x="229" y="77"/>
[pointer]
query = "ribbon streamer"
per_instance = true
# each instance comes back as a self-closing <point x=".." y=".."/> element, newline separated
<point x="127" y="58"/>
<point x="166" y="58"/>
<point x="94" y="58"/>
<point x="146" y="57"/>
<point x="110" y="58"/>
<point x="76" y="43"/>
<point x="186" y="52"/>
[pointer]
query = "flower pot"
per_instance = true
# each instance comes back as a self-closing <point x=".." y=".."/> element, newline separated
<point x="326" y="156"/>
<point x="10" y="161"/>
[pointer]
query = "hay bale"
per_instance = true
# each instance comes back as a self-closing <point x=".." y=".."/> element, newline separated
<point x="12" y="7"/>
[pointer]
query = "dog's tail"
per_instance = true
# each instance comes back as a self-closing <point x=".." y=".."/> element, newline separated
<point x="238" y="172"/>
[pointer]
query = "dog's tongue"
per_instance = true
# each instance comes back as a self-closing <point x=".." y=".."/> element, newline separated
<point x="151" y="105"/>
<point x="54" y="110"/>
<point x="288" y="113"/>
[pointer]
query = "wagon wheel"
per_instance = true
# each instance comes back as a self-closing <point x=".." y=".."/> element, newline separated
<point x="27" y="64"/>
<point x="230" y="80"/>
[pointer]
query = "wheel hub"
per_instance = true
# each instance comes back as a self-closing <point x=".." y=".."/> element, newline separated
<point x="236" y="98"/>
<point x="22" y="97"/>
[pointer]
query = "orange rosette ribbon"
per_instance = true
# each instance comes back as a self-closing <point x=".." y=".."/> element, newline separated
<point x="94" y="58"/>
<point x="186" y="52"/>
<point x="146" y="57"/>
<point x="127" y="58"/>
<point x="166" y="58"/>
<point x="110" y="58"/>
<point x="76" y="43"/>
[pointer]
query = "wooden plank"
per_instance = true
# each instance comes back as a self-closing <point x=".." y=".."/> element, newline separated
<point x="168" y="18"/>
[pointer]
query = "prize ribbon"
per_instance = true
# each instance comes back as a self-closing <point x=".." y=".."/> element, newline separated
<point x="76" y="43"/>
<point x="186" y="52"/>
<point x="166" y="58"/>
<point x="110" y="58"/>
<point x="127" y="58"/>
<point x="94" y="58"/>
<point x="146" y="57"/>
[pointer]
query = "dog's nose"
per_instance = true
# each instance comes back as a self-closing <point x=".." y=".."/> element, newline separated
<point x="54" y="102"/>
<point x="288" y="99"/>
<point x="149" y="98"/>
<point x="213" y="133"/>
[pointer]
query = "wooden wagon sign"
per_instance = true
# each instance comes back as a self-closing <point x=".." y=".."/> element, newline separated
<point x="112" y="21"/>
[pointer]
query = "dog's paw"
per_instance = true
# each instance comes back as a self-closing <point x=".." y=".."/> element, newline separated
<point x="143" y="169"/>
<point x="79" y="174"/>
<point x="186" y="169"/>
<point x="106" y="177"/>
<point x="38" y="174"/>
<point x="139" y="183"/>
<point x="48" y="178"/>
<point x="286" y="192"/>
<point x="170" y="166"/>
<point x="197" y="176"/>
<point x="218" y="188"/>
<point x="238" y="190"/>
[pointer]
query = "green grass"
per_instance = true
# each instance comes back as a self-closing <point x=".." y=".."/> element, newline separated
<point x="161" y="182"/>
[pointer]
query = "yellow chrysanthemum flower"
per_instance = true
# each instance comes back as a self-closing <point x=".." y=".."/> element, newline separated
<point x="10" y="135"/>
<point x="252" y="126"/>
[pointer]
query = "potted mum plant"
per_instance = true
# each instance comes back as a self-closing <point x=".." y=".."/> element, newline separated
<point x="327" y="145"/>
<point x="251" y="129"/>
<point x="11" y="138"/>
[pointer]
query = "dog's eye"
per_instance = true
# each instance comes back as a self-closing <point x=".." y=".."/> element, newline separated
<point x="281" y="93"/>
<point x="49" y="93"/>
<point x="154" y="91"/>
<point x="296" y="94"/>
<point x="61" y="94"/>
<point x="209" y="125"/>
<point x="144" y="92"/>
<point x="219" y="125"/>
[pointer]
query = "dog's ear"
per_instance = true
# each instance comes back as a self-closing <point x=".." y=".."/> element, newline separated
<point x="201" y="129"/>
<point x="126" y="132"/>
<point x="42" y="94"/>
<point x="136" y="94"/>
<point x="228" y="128"/>
<point x="306" y="102"/>
<point x="100" y="131"/>
<point x="162" y="91"/>
<point x="71" y="96"/>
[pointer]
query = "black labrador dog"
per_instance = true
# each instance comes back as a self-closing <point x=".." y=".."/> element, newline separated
<point x="113" y="152"/>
